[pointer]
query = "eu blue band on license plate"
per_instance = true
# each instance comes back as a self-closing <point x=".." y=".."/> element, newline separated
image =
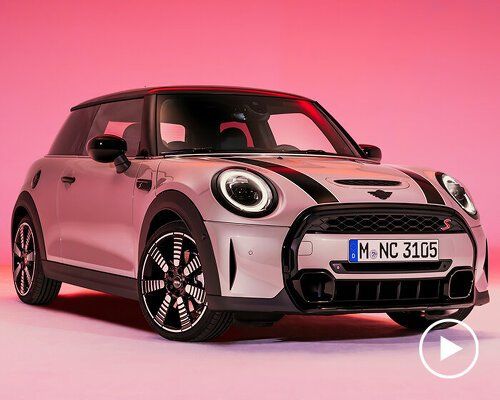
<point x="353" y="250"/>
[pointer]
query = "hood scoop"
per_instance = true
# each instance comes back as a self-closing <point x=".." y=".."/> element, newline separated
<point x="367" y="182"/>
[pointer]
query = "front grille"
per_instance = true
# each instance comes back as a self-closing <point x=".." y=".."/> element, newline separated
<point x="367" y="182"/>
<point x="317" y="289"/>
<point x="311" y="295"/>
<point x="359" y="292"/>
<point x="385" y="223"/>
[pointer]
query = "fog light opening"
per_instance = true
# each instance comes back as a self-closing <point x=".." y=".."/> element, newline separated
<point x="316" y="287"/>
<point x="461" y="284"/>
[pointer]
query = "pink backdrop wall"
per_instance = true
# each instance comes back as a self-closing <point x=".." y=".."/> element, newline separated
<point x="420" y="79"/>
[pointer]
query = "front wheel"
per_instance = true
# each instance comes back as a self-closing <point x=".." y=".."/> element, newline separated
<point x="421" y="320"/>
<point x="171" y="288"/>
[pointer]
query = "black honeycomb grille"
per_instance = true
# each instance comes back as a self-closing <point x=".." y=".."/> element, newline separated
<point x="386" y="223"/>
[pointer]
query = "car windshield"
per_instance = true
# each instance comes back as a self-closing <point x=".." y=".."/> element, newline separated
<point x="237" y="123"/>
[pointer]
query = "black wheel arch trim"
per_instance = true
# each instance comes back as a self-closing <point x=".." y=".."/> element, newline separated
<point x="25" y="201"/>
<point x="178" y="203"/>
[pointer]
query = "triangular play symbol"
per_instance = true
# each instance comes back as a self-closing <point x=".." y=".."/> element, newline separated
<point x="448" y="348"/>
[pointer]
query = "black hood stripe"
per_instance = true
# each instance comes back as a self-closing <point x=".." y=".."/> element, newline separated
<point x="318" y="192"/>
<point x="431" y="193"/>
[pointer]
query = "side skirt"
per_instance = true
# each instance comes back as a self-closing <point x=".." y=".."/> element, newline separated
<point x="101" y="281"/>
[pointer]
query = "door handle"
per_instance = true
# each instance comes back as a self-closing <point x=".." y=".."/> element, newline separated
<point x="68" y="179"/>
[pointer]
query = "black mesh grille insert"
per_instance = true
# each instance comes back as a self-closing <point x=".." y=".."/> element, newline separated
<point x="385" y="223"/>
<point x="387" y="290"/>
<point x="367" y="182"/>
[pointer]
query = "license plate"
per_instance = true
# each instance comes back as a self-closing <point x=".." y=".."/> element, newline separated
<point x="393" y="250"/>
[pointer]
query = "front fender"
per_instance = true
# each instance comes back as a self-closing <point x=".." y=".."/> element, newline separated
<point x="26" y="202"/>
<point x="178" y="203"/>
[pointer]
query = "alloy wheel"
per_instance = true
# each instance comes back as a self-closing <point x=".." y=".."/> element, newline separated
<point x="24" y="254"/>
<point x="172" y="284"/>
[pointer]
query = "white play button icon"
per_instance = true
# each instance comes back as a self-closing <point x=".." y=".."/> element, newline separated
<point x="448" y="348"/>
<point x="442" y="356"/>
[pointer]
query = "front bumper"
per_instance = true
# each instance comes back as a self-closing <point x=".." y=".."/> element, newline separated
<point x="260" y="265"/>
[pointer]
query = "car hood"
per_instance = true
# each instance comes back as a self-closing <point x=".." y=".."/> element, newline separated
<point x="309" y="171"/>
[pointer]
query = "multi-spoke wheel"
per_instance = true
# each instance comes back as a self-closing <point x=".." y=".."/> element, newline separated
<point x="421" y="320"/>
<point x="32" y="286"/>
<point x="172" y="287"/>
<point x="24" y="258"/>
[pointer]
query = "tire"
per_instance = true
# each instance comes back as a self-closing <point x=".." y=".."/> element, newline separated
<point x="31" y="284"/>
<point x="171" y="288"/>
<point x="421" y="320"/>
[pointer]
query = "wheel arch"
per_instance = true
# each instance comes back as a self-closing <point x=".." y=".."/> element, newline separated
<point x="25" y="206"/>
<point x="172" y="205"/>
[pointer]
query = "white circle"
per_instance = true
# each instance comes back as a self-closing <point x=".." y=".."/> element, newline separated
<point x="421" y="352"/>
<point x="257" y="180"/>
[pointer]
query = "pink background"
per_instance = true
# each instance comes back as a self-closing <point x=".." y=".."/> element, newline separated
<point x="419" y="79"/>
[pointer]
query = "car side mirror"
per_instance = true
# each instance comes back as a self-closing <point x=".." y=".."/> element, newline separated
<point x="109" y="148"/>
<point x="371" y="152"/>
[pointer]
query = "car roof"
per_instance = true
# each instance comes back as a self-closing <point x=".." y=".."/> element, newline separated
<point x="138" y="93"/>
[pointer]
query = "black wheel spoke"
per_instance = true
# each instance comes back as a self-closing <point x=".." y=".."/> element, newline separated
<point x="30" y="256"/>
<point x="183" y="314"/>
<point x="198" y="294"/>
<point x="17" y="270"/>
<point x="163" y="310"/>
<point x="193" y="266"/>
<point x="22" y="281"/>
<point x="159" y="259"/>
<point x="17" y="250"/>
<point x="177" y="249"/>
<point x="152" y="285"/>
<point x="28" y="276"/>
<point x="27" y="240"/>
<point x="21" y="238"/>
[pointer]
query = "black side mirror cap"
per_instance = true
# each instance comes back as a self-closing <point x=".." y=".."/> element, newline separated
<point x="371" y="152"/>
<point x="109" y="148"/>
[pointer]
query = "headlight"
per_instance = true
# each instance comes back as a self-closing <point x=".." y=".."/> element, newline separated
<point x="244" y="193"/>
<point x="458" y="192"/>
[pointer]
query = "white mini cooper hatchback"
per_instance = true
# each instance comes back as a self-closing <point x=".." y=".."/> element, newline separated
<point x="214" y="204"/>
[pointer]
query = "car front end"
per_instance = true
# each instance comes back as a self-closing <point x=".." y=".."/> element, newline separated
<point x="334" y="255"/>
<point x="302" y="219"/>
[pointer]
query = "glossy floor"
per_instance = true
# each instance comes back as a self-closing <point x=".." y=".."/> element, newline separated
<point x="88" y="345"/>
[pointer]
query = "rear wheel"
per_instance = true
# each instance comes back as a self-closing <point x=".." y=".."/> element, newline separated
<point x="171" y="288"/>
<point x="421" y="320"/>
<point x="31" y="284"/>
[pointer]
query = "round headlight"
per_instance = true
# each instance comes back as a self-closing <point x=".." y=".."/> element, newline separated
<point x="458" y="192"/>
<point x="245" y="193"/>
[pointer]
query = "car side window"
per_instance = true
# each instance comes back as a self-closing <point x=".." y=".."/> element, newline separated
<point x="119" y="118"/>
<point x="71" y="139"/>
